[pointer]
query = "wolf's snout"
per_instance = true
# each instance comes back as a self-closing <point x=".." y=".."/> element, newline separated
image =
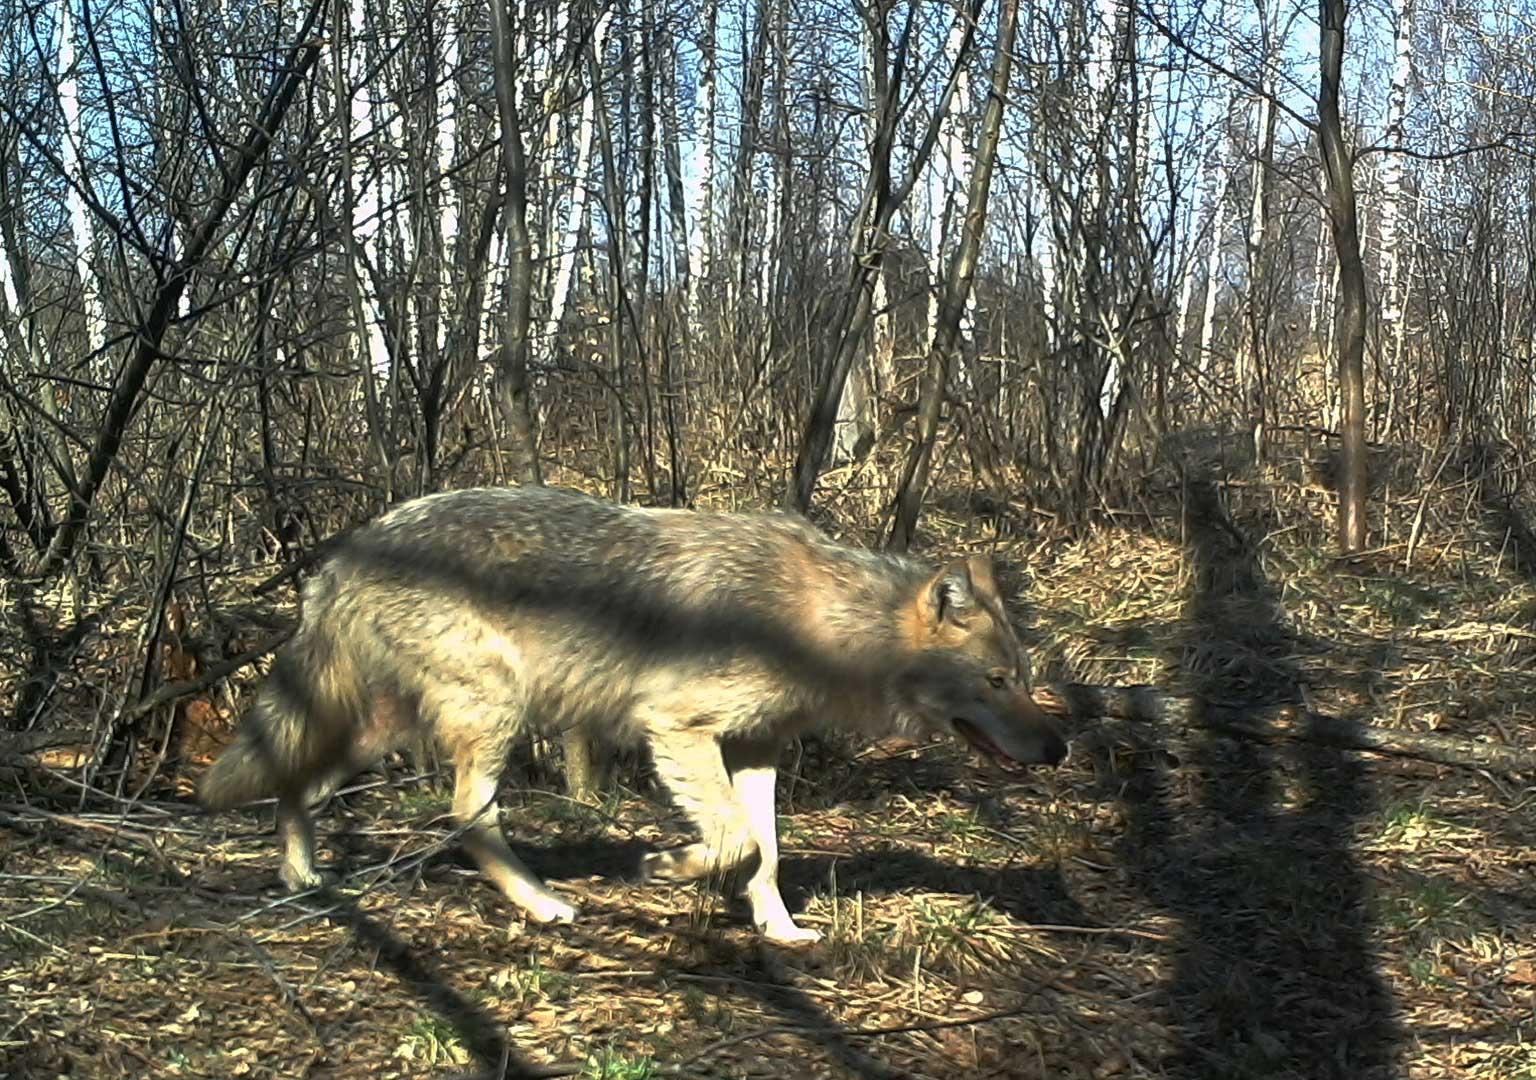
<point x="1041" y="736"/>
<point x="1053" y="751"/>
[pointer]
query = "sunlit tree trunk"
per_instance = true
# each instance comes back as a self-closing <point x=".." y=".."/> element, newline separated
<point x="957" y="289"/>
<point x="946" y="188"/>
<point x="576" y="210"/>
<point x="513" y="394"/>
<point x="72" y="154"/>
<point x="1250" y="352"/>
<point x="1213" y="267"/>
<point x="672" y="158"/>
<point x="1339" y="169"/>
<point x="1393" y="281"/>
<point x="883" y="195"/>
<point x="701" y="242"/>
<point x="874" y="372"/>
<point x="447" y="139"/>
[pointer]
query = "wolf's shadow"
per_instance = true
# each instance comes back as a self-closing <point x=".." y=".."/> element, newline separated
<point x="1025" y="893"/>
<point x="1028" y="894"/>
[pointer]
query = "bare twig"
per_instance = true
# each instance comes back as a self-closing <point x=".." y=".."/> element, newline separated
<point x="175" y="691"/>
<point x="1284" y="721"/>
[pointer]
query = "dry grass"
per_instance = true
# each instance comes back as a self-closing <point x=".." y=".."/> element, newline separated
<point x="1213" y="908"/>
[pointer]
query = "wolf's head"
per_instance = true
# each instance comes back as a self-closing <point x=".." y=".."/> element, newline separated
<point x="965" y="672"/>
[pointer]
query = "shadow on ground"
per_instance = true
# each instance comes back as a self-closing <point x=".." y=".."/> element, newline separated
<point x="734" y="968"/>
<point x="1248" y="846"/>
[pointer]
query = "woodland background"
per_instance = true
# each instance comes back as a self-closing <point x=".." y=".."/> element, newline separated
<point x="276" y="263"/>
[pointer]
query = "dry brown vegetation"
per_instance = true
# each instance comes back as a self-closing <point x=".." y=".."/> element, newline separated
<point x="1171" y="903"/>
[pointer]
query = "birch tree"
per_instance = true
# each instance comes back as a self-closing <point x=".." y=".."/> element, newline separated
<point x="740" y="208"/>
<point x="72" y="147"/>
<point x="857" y="411"/>
<point x="1109" y="22"/>
<point x="157" y="309"/>
<point x="1393" y="288"/>
<point x="701" y="242"/>
<point x="576" y="209"/>
<point x="672" y="159"/>
<point x="946" y="186"/>
<point x="1250" y="353"/>
<point x="1218" y="175"/>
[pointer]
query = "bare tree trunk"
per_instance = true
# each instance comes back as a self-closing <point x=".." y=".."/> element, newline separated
<point x="677" y="206"/>
<point x="1394" y="291"/>
<point x="739" y="220"/>
<point x="780" y="216"/>
<point x="677" y="216"/>
<point x="1213" y="273"/>
<point x="362" y="227"/>
<point x="701" y="246"/>
<point x="948" y="175"/>
<point x="1339" y="168"/>
<point x="24" y="476"/>
<point x="512" y="390"/>
<point x="1323" y="270"/>
<point x="872" y="235"/>
<point x="71" y="148"/>
<point x="436" y="217"/>
<point x="618" y="260"/>
<point x="1251" y="355"/>
<point x="576" y="213"/>
<point x="957" y="289"/>
<point x="857" y="410"/>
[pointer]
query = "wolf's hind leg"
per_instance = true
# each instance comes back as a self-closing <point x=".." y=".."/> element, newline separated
<point x="296" y="832"/>
<point x="385" y="725"/>
<point x="693" y="769"/>
<point x="754" y="776"/>
<point x="474" y="792"/>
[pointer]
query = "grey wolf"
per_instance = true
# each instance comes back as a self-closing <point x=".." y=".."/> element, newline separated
<point x="476" y="615"/>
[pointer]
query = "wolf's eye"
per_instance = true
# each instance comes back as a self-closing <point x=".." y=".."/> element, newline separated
<point x="998" y="682"/>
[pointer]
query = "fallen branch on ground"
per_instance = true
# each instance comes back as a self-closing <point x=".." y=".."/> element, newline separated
<point x="19" y="745"/>
<point x="1265" y="722"/>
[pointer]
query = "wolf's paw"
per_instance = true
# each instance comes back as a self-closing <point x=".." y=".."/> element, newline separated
<point x="299" y="879"/>
<point x="552" y="909"/>
<point x="661" y="865"/>
<point x="790" y="934"/>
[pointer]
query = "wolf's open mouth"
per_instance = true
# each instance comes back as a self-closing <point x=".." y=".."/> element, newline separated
<point x="979" y="739"/>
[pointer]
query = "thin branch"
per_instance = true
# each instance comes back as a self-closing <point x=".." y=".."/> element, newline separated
<point x="125" y="395"/>
<point x="1256" y="89"/>
<point x="175" y="691"/>
<point x="1266" y="721"/>
<point x="1510" y="140"/>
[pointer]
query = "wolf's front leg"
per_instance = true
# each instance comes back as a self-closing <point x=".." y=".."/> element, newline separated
<point x="692" y="767"/>
<point x="753" y="777"/>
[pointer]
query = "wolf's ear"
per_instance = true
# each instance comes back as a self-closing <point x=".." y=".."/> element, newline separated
<point x="951" y="594"/>
<point x="983" y="577"/>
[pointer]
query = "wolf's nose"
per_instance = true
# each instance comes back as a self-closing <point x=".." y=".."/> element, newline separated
<point x="1055" y="750"/>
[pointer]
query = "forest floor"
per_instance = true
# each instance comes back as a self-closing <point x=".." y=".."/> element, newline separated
<point x="1169" y="903"/>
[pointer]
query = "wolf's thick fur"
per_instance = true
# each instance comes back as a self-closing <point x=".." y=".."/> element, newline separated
<point x="469" y="615"/>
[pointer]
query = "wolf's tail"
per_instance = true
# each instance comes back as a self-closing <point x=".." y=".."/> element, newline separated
<point x="299" y="727"/>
